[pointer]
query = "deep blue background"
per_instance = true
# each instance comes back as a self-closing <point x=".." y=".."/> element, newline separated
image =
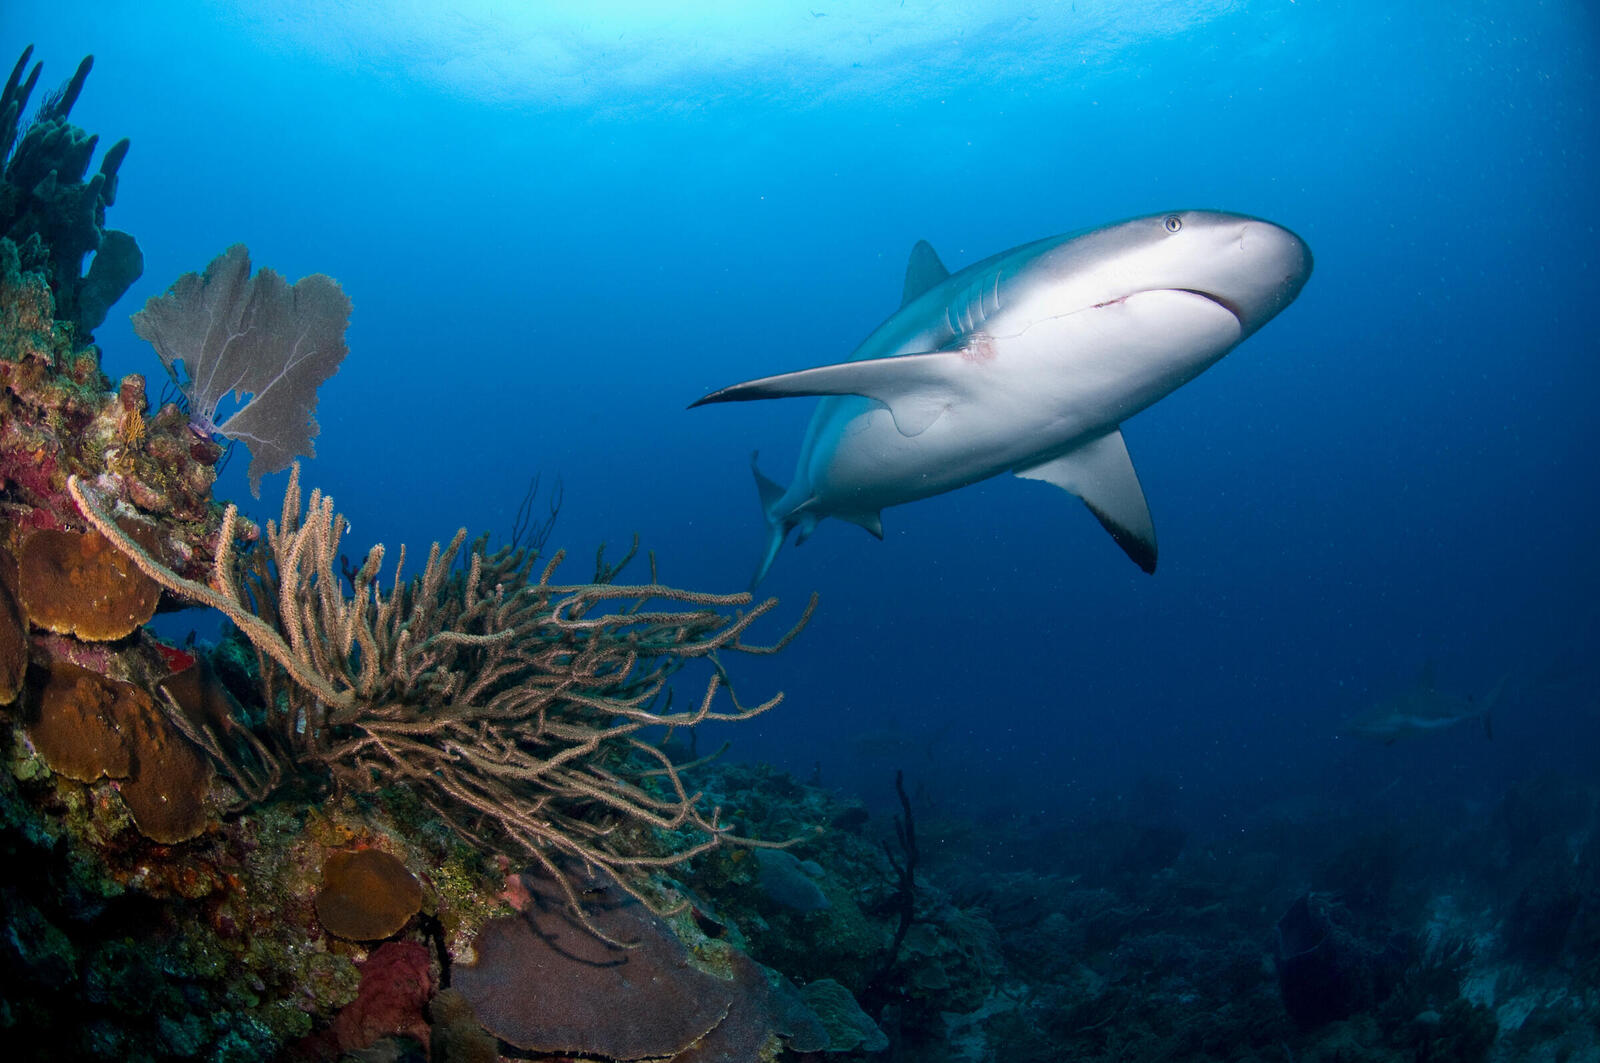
<point x="557" y="232"/>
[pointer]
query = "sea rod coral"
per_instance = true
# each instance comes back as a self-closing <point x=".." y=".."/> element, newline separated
<point x="509" y="704"/>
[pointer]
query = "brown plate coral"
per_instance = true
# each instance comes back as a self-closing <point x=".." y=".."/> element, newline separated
<point x="367" y="895"/>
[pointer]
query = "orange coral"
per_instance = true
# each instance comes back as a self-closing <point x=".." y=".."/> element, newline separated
<point x="76" y="583"/>
<point x="366" y="895"/>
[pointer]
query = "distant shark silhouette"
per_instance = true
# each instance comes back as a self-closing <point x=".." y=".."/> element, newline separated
<point x="1028" y="362"/>
<point x="1425" y="708"/>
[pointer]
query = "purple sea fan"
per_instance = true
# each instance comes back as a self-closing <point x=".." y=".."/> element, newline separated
<point x="259" y="337"/>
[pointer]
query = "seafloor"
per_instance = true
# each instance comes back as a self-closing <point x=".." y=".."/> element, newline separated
<point x="457" y="816"/>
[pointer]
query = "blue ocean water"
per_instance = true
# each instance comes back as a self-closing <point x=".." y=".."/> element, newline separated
<point x="559" y="229"/>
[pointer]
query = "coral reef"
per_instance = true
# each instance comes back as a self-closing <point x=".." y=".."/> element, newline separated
<point x="285" y="844"/>
<point x="13" y="631"/>
<point x="59" y="416"/>
<point x="504" y="700"/>
<point x="543" y="982"/>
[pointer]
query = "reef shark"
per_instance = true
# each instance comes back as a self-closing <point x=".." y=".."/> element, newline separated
<point x="1028" y="362"/>
<point x="1425" y="708"/>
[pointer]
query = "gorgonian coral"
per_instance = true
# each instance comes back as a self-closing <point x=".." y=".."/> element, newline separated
<point x="268" y="343"/>
<point x="510" y="704"/>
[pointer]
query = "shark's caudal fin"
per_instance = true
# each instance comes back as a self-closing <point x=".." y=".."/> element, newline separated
<point x="771" y="492"/>
<point x="779" y="525"/>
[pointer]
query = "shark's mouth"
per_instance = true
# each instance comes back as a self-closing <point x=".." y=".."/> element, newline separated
<point x="1210" y="297"/>
<point x="1225" y="303"/>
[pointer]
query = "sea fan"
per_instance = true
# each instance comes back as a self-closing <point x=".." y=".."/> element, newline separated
<point x="268" y="342"/>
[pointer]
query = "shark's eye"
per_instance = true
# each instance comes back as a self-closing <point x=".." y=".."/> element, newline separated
<point x="1173" y="223"/>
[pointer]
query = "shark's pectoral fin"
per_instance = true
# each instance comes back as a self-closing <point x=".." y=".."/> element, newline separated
<point x="1101" y="473"/>
<point x="924" y="272"/>
<point x="916" y="388"/>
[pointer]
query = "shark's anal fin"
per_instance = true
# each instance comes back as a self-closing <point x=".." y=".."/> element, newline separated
<point x="1101" y="473"/>
<point x="924" y="272"/>
<point x="916" y="388"/>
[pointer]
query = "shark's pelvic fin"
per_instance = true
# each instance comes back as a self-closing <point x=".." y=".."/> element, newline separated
<point x="916" y="388"/>
<point x="924" y="272"/>
<point x="873" y="522"/>
<point x="1101" y="473"/>
<point x="807" y="523"/>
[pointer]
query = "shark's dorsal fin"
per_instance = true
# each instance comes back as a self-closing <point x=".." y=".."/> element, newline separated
<point x="924" y="272"/>
<point x="916" y="388"/>
<point x="1101" y="473"/>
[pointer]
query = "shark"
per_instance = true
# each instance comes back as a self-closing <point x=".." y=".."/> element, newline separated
<point x="1424" y="708"/>
<point x="1027" y="362"/>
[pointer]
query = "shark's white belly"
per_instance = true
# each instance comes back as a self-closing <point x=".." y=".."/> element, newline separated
<point x="1034" y="385"/>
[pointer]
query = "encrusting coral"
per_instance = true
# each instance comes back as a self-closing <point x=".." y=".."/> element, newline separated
<point x="507" y="702"/>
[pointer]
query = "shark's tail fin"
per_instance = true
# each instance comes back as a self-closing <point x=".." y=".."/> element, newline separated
<point x="771" y="493"/>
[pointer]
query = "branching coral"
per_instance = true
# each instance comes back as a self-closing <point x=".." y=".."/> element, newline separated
<point x="508" y="703"/>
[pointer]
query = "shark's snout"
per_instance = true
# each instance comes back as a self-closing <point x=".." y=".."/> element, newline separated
<point x="1270" y="265"/>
